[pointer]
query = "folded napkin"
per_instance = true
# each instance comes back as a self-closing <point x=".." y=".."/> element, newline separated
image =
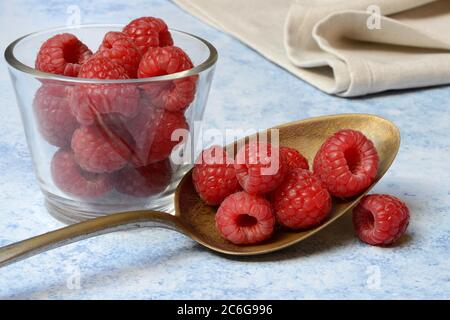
<point x="343" y="47"/>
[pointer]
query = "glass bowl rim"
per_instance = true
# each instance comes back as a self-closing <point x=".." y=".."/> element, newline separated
<point x="18" y="65"/>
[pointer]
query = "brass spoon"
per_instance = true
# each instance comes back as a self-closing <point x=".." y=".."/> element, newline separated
<point x="196" y="220"/>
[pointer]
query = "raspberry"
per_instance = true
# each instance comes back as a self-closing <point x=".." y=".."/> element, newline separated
<point x="71" y="179"/>
<point x="152" y="132"/>
<point x="62" y="54"/>
<point x="148" y="32"/>
<point x="292" y="159"/>
<point x="173" y="95"/>
<point x="243" y="218"/>
<point x="88" y="101"/>
<point x="258" y="167"/>
<point x="119" y="48"/>
<point x="301" y="201"/>
<point x="99" y="67"/>
<point x="144" y="181"/>
<point x="163" y="61"/>
<point x="97" y="149"/>
<point x="55" y="121"/>
<point x="380" y="220"/>
<point x="214" y="176"/>
<point x="347" y="163"/>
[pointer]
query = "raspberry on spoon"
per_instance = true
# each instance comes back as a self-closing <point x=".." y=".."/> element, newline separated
<point x="301" y="201"/>
<point x="347" y="163"/>
<point x="243" y="218"/>
<point x="214" y="176"/>
<point x="259" y="168"/>
<point x="293" y="159"/>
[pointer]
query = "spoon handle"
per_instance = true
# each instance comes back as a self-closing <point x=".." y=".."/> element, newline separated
<point x="87" y="229"/>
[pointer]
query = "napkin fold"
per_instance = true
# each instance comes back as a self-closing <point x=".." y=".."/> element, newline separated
<point x="343" y="47"/>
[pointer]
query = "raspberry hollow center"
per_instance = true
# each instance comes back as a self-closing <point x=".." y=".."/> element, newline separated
<point x="71" y="54"/>
<point x="353" y="158"/>
<point x="369" y="220"/>
<point x="246" y="220"/>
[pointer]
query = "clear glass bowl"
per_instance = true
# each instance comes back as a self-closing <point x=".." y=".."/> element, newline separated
<point x="135" y="139"/>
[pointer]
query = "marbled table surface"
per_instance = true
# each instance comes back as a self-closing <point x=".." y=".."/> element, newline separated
<point x="161" y="264"/>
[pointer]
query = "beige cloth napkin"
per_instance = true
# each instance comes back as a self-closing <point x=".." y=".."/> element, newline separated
<point x="336" y="45"/>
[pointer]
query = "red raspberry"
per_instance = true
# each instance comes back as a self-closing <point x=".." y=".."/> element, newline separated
<point x="163" y="61"/>
<point x="301" y="201"/>
<point x="243" y="218"/>
<point x="99" y="67"/>
<point x="119" y="48"/>
<point x="97" y="149"/>
<point x="214" y="176"/>
<point x="347" y="163"/>
<point x="55" y="121"/>
<point x="88" y="101"/>
<point x="144" y="181"/>
<point x="380" y="219"/>
<point x="71" y="179"/>
<point x="292" y="159"/>
<point x="152" y="132"/>
<point x="62" y="54"/>
<point x="259" y="168"/>
<point x="175" y="95"/>
<point x="148" y="32"/>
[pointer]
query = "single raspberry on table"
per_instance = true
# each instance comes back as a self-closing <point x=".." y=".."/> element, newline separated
<point x="100" y="150"/>
<point x="380" y="219"/>
<point x="54" y="119"/>
<point x="173" y="95"/>
<point x="71" y="179"/>
<point x="259" y="168"/>
<point x="144" y="181"/>
<point x="62" y="54"/>
<point x="347" y="163"/>
<point x="152" y="132"/>
<point x="301" y="201"/>
<point x="214" y="176"/>
<point x="243" y="218"/>
<point x="90" y="101"/>
<point x="119" y="48"/>
<point x="148" y="32"/>
<point x="292" y="159"/>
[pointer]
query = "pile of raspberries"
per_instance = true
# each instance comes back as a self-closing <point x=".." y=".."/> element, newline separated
<point x="113" y="135"/>
<point x="265" y="185"/>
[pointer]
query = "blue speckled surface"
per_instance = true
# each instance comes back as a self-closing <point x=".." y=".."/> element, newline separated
<point x="160" y="264"/>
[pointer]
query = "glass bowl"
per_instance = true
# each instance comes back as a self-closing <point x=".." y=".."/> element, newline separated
<point x="89" y="162"/>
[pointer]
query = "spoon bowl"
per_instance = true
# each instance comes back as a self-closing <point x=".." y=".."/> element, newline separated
<point x="196" y="219"/>
<point x="306" y="136"/>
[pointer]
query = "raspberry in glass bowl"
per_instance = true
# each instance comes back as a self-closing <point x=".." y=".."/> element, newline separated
<point x="105" y="108"/>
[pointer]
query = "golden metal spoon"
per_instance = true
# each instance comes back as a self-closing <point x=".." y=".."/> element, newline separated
<point x="196" y="220"/>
